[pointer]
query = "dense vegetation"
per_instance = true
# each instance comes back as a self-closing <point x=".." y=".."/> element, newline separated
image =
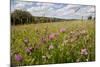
<point x="47" y="40"/>
<point x="48" y="43"/>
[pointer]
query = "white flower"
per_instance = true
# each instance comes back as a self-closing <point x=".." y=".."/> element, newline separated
<point x="51" y="47"/>
<point x="84" y="51"/>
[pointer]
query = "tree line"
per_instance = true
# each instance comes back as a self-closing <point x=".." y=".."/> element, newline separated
<point x="24" y="17"/>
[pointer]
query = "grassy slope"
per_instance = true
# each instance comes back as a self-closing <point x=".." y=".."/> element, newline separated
<point x="63" y="54"/>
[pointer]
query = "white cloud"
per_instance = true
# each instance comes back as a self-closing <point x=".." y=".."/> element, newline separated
<point x="67" y="10"/>
<point x="44" y="4"/>
<point x="72" y="6"/>
<point x="20" y="6"/>
<point x="54" y="10"/>
<point x="92" y="9"/>
<point x="41" y="9"/>
<point x="36" y="9"/>
<point x="86" y="11"/>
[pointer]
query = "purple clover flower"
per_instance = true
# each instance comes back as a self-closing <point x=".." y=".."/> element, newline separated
<point x="51" y="36"/>
<point x="18" y="57"/>
<point x="62" y="30"/>
<point x="29" y="49"/>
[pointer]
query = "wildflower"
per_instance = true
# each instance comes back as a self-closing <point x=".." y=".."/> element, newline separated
<point x="29" y="49"/>
<point x="84" y="51"/>
<point x="18" y="57"/>
<point x="51" y="47"/>
<point x="43" y="57"/>
<point x="62" y="30"/>
<point x="26" y="41"/>
<point x="51" y="36"/>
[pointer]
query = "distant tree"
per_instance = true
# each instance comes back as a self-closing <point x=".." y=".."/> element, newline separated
<point x="21" y="17"/>
<point x="90" y="18"/>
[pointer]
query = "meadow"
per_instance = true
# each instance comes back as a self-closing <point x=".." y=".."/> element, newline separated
<point x="53" y="43"/>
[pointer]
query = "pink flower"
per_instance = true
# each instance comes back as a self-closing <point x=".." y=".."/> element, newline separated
<point x="84" y="51"/>
<point x="51" y="47"/>
<point x="29" y="49"/>
<point x="62" y="30"/>
<point x="51" y="36"/>
<point x="18" y="57"/>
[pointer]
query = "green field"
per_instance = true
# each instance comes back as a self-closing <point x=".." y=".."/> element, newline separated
<point x="76" y="43"/>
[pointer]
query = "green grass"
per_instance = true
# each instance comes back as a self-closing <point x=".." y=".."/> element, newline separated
<point x="62" y="52"/>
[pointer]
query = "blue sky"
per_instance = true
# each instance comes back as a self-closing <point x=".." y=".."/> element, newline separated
<point x="58" y="10"/>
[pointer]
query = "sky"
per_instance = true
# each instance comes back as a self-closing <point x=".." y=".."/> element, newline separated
<point x="57" y="10"/>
